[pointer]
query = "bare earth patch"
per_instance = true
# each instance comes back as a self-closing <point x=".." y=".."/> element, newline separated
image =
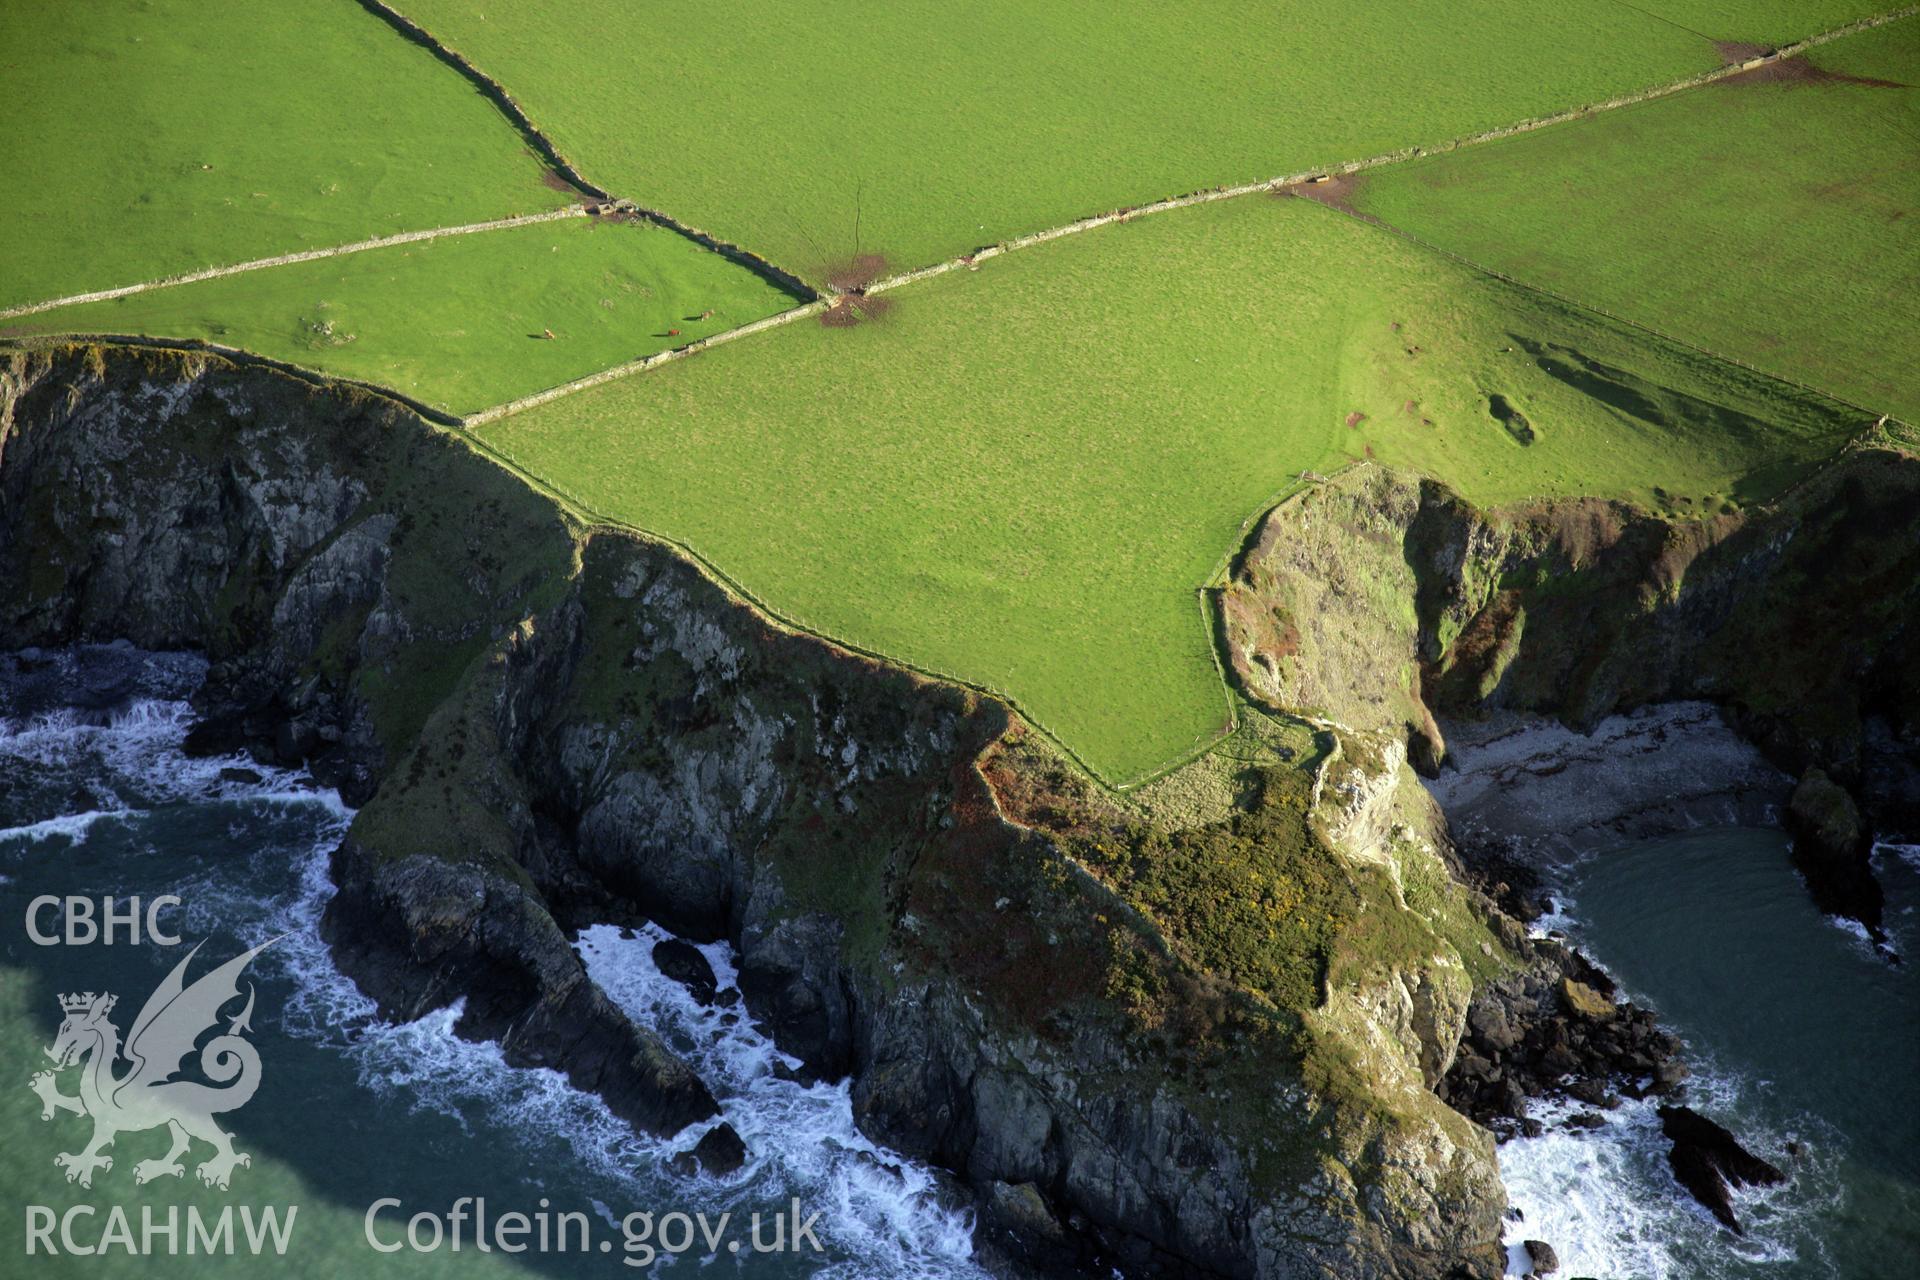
<point x="1336" y="191"/>
<point x="1798" y="70"/>
<point x="554" y="182"/>
<point x="857" y="272"/>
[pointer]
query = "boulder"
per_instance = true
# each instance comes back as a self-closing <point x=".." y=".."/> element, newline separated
<point x="1583" y="1001"/>
<point x="1492" y="1027"/>
<point x="719" y="1152"/>
<point x="686" y="965"/>
<point x="1541" y="1256"/>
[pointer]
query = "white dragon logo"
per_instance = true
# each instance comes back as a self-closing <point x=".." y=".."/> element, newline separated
<point x="147" y="1096"/>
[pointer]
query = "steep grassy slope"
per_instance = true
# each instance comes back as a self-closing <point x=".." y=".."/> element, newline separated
<point x="152" y="139"/>
<point x="1769" y="218"/>
<point x="1019" y="476"/>
<point x="813" y="130"/>
<point x="459" y="322"/>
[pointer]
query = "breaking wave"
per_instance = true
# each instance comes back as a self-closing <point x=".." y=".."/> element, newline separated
<point x="882" y="1218"/>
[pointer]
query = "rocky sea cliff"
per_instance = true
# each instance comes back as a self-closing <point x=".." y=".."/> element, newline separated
<point x="1205" y="1029"/>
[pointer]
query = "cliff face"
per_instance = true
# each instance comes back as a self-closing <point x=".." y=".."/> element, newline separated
<point x="1382" y="601"/>
<point x="1797" y="616"/>
<point x="1195" y="1032"/>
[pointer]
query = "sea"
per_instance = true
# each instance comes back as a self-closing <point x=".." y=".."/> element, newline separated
<point x="1804" y="1041"/>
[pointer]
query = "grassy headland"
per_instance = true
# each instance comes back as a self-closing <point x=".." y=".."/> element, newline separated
<point x="1020" y="476"/>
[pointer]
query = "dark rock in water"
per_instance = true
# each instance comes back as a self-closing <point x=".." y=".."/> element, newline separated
<point x="1710" y="1162"/>
<point x="719" y="1152"/>
<point x="800" y="1075"/>
<point x="1545" y="1261"/>
<point x="1668" y="1076"/>
<point x="413" y="932"/>
<point x="1587" y="1120"/>
<point x="245" y="777"/>
<point x="873" y="1161"/>
<point x="1592" y="1092"/>
<point x="1823" y="814"/>
<point x="1832" y="848"/>
<point x="684" y="963"/>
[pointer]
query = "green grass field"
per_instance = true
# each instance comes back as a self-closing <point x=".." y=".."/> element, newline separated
<point x="1017" y="476"/>
<point x="1772" y="221"/>
<point x="1775" y="22"/>
<point x="145" y="140"/>
<point x="1020" y="475"/>
<point x="809" y="130"/>
<point x="458" y="322"/>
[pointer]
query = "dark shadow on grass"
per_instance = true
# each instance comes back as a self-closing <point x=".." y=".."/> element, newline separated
<point x="1776" y="465"/>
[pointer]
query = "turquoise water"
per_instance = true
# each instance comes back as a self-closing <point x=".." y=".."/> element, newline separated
<point x="1799" y="1034"/>
<point x="351" y="1110"/>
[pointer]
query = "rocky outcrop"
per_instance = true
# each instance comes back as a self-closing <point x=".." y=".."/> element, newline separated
<point x="683" y="962"/>
<point x="416" y="932"/>
<point x="1572" y="675"/>
<point x="1710" y="1163"/>
<point x="1385" y="602"/>
<point x="1833" y="850"/>
<point x="1193" y="1034"/>
<point x="1554" y="1029"/>
<point x="719" y="1152"/>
